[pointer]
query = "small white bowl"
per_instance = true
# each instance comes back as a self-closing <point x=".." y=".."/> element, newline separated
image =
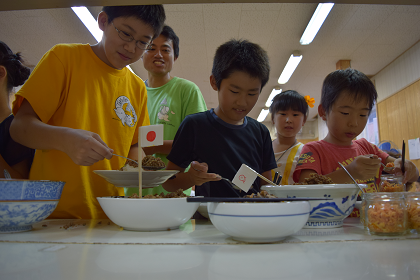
<point x="148" y="214"/>
<point x="259" y="222"/>
<point x="323" y="213"/>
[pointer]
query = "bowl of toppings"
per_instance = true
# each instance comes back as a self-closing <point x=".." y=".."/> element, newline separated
<point x="26" y="202"/>
<point x="259" y="222"/>
<point x="149" y="213"/>
<point x="323" y="213"/>
<point x="128" y="175"/>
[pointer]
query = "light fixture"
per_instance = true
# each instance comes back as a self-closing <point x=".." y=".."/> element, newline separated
<point x="90" y="22"/>
<point x="263" y="115"/>
<point x="290" y="67"/>
<point x="273" y="93"/>
<point x="316" y="22"/>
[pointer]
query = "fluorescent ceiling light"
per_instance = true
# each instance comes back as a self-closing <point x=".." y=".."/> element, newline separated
<point x="263" y="115"/>
<point x="290" y="67"/>
<point x="316" y="22"/>
<point x="273" y="93"/>
<point x="90" y="22"/>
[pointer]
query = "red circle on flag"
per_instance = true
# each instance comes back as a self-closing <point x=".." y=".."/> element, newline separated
<point x="151" y="136"/>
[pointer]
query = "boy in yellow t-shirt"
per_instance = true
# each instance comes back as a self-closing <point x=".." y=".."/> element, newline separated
<point x="81" y="104"/>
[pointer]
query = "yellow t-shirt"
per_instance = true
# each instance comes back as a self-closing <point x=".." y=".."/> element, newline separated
<point x="286" y="163"/>
<point x="72" y="87"/>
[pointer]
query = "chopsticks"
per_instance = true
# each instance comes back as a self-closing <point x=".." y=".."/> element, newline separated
<point x="403" y="158"/>
<point x="251" y="199"/>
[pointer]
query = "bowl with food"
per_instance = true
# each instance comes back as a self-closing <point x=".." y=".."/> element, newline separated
<point x="26" y="202"/>
<point x="128" y="175"/>
<point x="149" y="213"/>
<point x="259" y="222"/>
<point x="323" y="213"/>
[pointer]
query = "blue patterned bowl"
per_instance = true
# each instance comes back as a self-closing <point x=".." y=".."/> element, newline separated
<point x="323" y="213"/>
<point x="25" y="202"/>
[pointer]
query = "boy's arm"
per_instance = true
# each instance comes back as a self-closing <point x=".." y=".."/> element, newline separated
<point x="162" y="149"/>
<point x="196" y="176"/>
<point x="83" y="147"/>
<point x="411" y="173"/>
<point x="362" y="167"/>
<point x="268" y="175"/>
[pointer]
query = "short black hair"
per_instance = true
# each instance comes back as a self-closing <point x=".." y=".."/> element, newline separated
<point x="153" y="15"/>
<point x="169" y="34"/>
<point x="289" y="99"/>
<point x="240" y="55"/>
<point x="350" y="81"/>
<point x="17" y="73"/>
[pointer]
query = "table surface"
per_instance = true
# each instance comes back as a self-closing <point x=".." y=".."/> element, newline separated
<point x="99" y="249"/>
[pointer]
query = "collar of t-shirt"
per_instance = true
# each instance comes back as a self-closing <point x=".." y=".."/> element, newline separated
<point x="225" y="124"/>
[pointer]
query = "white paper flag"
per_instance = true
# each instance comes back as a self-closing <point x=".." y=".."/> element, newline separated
<point x="245" y="177"/>
<point x="151" y="135"/>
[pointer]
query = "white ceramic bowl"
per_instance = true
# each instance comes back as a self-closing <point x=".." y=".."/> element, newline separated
<point x="323" y="213"/>
<point x="148" y="214"/>
<point x="259" y="222"/>
<point x="26" y="202"/>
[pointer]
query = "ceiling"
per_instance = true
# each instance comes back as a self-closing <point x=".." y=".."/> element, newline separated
<point x="371" y="36"/>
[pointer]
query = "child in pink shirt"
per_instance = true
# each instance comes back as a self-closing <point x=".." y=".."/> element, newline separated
<point x="346" y="102"/>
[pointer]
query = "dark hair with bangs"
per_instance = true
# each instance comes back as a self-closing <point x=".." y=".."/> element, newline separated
<point x="153" y="15"/>
<point x="17" y="73"/>
<point x="289" y="99"/>
<point x="240" y="55"/>
<point x="169" y="34"/>
<point x="349" y="81"/>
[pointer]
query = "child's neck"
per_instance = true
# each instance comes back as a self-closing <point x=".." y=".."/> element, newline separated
<point x="283" y="143"/>
<point x="332" y="140"/>
<point x="5" y="109"/>
<point x="155" y="81"/>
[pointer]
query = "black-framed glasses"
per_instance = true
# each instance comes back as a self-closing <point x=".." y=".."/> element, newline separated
<point x="129" y="38"/>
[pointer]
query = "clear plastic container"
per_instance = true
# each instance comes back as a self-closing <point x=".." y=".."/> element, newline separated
<point x="385" y="213"/>
<point x="392" y="183"/>
<point x="413" y="210"/>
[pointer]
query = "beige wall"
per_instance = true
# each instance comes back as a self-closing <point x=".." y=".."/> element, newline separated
<point x="399" y="117"/>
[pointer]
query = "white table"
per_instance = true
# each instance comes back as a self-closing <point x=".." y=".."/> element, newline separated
<point x="99" y="249"/>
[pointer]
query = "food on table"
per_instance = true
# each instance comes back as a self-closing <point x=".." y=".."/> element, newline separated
<point x="261" y="194"/>
<point x="389" y="164"/>
<point x="391" y="183"/>
<point x="315" y="179"/>
<point x="130" y="166"/>
<point x="391" y="187"/>
<point x="149" y="161"/>
<point x="152" y="161"/>
<point x="386" y="214"/>
<point x="177" y="194"/>
<point x="413" y="210"/>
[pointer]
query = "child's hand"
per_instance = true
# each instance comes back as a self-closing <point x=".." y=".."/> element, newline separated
<point x="85" y="147"/>
<point x="198" y="174"/>
<point x="364" y="167"/>
<point x="411" y="173"/>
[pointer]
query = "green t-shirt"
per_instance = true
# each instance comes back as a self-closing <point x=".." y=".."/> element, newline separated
<point x="169" y="105"/>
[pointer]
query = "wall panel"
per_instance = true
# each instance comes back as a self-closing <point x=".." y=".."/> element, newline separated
<point x="399" y="117"/>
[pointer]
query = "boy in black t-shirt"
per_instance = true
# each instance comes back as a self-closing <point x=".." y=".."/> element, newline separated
<point x="217" y="142"/>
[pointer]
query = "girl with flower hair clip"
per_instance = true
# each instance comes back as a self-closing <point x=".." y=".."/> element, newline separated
<point x="289" y="111"/>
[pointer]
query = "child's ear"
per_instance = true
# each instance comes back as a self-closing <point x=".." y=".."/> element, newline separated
<point x="321" y="112"/>
<point x="213" y="83"/>
<point x="3" y="72"/>
<point x="102" y="20"/>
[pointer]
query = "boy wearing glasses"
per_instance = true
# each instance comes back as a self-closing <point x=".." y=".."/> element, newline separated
<point x="169" y="99"/>
<point x="81" y="104"/>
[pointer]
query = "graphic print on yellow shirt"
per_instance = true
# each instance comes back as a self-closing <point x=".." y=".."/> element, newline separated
<point x="125" y="111"/>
